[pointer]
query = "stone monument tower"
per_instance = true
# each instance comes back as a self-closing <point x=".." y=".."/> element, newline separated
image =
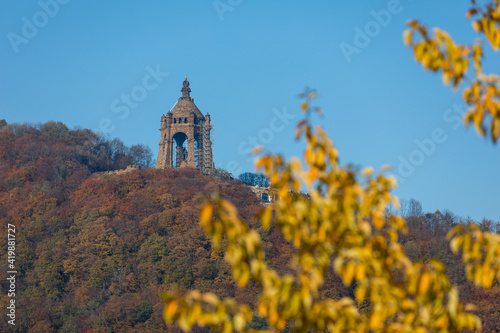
<point x="186" y="136"/>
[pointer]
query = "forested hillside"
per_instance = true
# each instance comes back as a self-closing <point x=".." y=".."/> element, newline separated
<point x="95" y="251"/>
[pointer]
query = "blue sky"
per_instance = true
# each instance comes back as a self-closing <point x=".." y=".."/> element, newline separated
<point x="247" y="61"/>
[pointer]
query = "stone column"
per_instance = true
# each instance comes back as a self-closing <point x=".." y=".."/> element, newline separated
<point x="160" y="162"/>
<point x="190" y="161"/>
<point x="178" y="158"/>
<point x="168" y="142"/>
<point x="168" y="147"/>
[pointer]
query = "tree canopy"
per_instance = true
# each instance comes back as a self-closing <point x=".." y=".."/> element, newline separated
<point x="459" y="62"/>
<point x="254" y="179"/>
<point x="344" y="225"/>
<point x="95" y="251"/>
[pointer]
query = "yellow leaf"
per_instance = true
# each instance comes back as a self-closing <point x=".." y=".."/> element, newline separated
<point x="262" y="309"/>
<point x="367" y="171"/>
<point x="170" y="310"/>
<point x="227" y="328"/>
<point x="453" y="302"/>
<point x="348" y="273"/>
<point x="305" y="106"/>
<point x="471" y="12"/>
<point x="318" y="111"/>
<point x="487" y="277"/>
<point x="442" y="322"/>
<point x="239" y="322"/>
<point x="375" y="320"/>
<point x="476" y="25"/>
<point x="424" y="283"/>
<point x="470" y="307"/>
<point x="360" y="292"/>
<point x="360" y="272"/>
<point x="377" y="220"/>
<point x="265" y="217"/>
<point x="413" y="23"/>
<point x="408" y="37"/>
<point x="206" y="213"/>
<point x="308" y="155"/>
<point x="256" y="150"/>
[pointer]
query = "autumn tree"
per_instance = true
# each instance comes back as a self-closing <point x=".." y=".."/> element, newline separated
<point x="440" y="53"/>
<point x="96" y="250"/>
<point x="221" y="174"/>
<point x="141" y="155"/>
<point x="342" y="225"/>
<point x="460" y="63"/>
<point x="254" y="179"/>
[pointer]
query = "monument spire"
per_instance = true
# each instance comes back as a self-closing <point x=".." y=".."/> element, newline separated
<point x="185" y="89"/>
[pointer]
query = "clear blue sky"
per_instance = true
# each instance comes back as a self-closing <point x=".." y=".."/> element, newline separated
<point x="247" y="61"/>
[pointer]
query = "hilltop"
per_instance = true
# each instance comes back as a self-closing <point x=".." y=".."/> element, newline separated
<point x="96" y="250"/>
